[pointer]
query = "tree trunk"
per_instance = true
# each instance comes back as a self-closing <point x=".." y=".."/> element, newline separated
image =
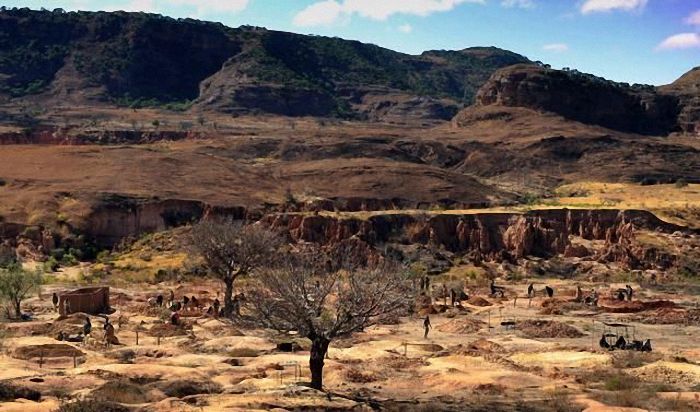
<point x="18" y="310"/>
<point x="228" y="298"/>
<point x="319" y="348"/>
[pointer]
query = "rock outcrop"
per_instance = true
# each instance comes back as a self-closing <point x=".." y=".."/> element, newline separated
<point x="584" y="98"/>
<point x="492" y="236"/>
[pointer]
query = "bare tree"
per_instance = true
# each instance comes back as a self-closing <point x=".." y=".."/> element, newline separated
<point x="16" y="284"/>
<point x="230" y="249"/>
<point x="324" y="298"/>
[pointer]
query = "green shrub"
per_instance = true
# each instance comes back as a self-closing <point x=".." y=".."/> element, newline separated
<point x="681" y="183"/>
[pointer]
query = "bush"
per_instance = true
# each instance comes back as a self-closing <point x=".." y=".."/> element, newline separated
<point x="51" y="264"/>
<point x="681" y="183"/>
<point x="10" y="392"/>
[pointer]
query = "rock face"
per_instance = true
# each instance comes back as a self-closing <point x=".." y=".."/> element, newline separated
<point x="491" y="236"/>
<point x="687" y="89"/>
<point x="584" y="98"/>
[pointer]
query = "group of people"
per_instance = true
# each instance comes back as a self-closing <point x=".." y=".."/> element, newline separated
<point x="186" y="304"/>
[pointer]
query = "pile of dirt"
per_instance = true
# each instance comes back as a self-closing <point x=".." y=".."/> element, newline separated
<point x="50" y="350"/>
<point x="479" y="347"/>
<point x="669" y="316"/>
<point x="167" y="330"/>
<point x="556" y="306"/>
<point x="658" y="372"/>
<point x="547" y="329"/>
<point x="71" y="325"/>
<point x="462" y="325"/>
<point x="478" y="301"/>
<point x="124" y="391"/>
<point x="617" y="306"/>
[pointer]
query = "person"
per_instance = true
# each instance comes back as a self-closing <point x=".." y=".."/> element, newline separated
<point x="453" y="297"/>
<point x="217" y="305"/>
<point x="185" y="300"/>
<point x="210" y="311"/>
<point x="195" y="302"/>
<point x="422" y="283"/>
<point x="172" y="297"/>
<point x="175" y="319"/>
<point x="630" y="291"/>
<point x="444" y="292"/>
<point x="159" y="300"/>
<point x="427" y="326"/>
<point x="107" y="324"/>
<point x="549" y="290"/>
<point x="531" y="290"/>
<point x="427" y="283"/>
<point x="54" y="299"/>
<point x="87" y="327"/>
<point x="110" y="338"/>
<point x="66" y="307"/>
<point x="579" y="294"/>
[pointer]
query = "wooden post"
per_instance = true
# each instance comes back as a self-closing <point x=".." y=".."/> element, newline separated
<point x="405" y="349"/>
<point x="158" y="340"/>
<point x="515" y="301"/>
<point x="137" y="337"/>
<point x="41" y="359"/>
<point x="75" y="362"/>
<point x="592" y="334"/>
<point x="489" y="321"/>
<point x="529" y="303"/>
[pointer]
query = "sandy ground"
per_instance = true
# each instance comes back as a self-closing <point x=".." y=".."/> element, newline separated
<point x="386" y="363"/>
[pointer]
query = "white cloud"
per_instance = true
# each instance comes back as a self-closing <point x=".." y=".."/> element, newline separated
<point x="680" y="41"/>
<point x="202" y="7"/>
<point x="208" y="6"/>
<point x="556" y="47"/>
<point x="328" y="12"/>
<point x="147" y="6"/>
<point x="405" y="28"/>
<point x="594" y="6"/>
<point x="323" y="13"/>
<point x="693" y="19"/>
<point x="522" y="4"/>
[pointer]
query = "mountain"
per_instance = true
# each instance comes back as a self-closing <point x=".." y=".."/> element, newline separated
<point x="138" y="59"/>
<point x="582" y="97"/>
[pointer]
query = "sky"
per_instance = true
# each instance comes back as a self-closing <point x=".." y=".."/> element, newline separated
<point x="634" y="41"/>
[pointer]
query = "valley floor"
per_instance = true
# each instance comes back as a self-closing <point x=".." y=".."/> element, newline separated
<point x="468" y="362"/>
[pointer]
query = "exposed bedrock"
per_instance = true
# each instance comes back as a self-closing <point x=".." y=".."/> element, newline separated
<point x="490" y="236"/>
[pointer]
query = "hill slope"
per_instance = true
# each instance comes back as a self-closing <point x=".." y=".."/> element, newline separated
<point x="144" y="59"/>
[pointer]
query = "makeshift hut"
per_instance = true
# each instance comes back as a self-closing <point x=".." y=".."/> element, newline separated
<point x="87" y="300"/>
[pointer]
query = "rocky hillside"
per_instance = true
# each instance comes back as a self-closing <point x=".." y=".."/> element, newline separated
<point x="582" y="97"/>
<point x="137" y="59"/>
<point x="687" y="89"/>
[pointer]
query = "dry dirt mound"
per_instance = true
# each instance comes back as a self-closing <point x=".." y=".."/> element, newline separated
<point x="669" y="316"/>
<point x="617" y="306"/>
<point x="670" y="373"/>
<point x="479" y="347"/>
<point x="71" y="324"/>
<point x="51" y="350"/>
<point x="478" y="301"/>
<point x="464" y="325"/>
<point x="547" y="329"/>
<point x="166" y="330"/>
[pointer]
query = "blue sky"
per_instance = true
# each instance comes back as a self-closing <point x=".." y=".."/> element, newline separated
<point x="636" y="41"/>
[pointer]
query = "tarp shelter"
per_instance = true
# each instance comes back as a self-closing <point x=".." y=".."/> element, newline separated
<point x="87" y="300"/>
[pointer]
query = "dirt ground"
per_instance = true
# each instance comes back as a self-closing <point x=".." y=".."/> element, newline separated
<point x="471" y="358"/>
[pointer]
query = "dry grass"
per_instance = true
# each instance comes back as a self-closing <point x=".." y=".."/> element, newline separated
<point x="663" y="199"/>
